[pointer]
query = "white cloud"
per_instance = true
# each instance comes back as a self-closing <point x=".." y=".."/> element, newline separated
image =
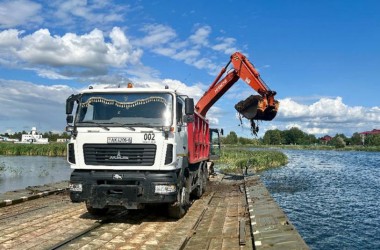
<point x="188" y="56"/>
<point x="194" y="91"/>
<point x="157" y="35"/>
<point x="225" y="45"/>
<point x="201" y="36"/>
<point x="71" y="54"/>
<point x="9" y="39"/>
<point x="92" y="12"/>
<point x="318" y="131"/>
<point x="27" y="104"/>
<point x="19" y="12"/>
<point x="327" y="115"/>
<point x="214" y="115"/>
<point x="331" y="110"/>
<point x="163" y="40"/>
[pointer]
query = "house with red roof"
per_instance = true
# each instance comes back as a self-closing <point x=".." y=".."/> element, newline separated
<point x="365" y="133"/>
<point x="325" y="139"/>
<point x="372" y="132"/>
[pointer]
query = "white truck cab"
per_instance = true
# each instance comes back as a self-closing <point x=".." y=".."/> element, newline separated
<point x="129" y="148"/>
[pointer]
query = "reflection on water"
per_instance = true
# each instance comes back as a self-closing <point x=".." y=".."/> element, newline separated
<point x="18" y="172"/>
<point x="331" y="197"/>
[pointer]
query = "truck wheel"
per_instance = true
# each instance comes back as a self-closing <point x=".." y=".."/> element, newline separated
<point x="96" y="211"/>
<point x="205" y="179"/>
<point x="202" y="183"/>
<point x="178" y="210"/>
<point x="198" y="191"/>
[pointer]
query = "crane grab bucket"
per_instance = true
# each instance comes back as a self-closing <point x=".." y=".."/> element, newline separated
<point x="255" y="107"/>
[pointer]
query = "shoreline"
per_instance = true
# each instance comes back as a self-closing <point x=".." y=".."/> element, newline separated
<point x="307" y="147"/>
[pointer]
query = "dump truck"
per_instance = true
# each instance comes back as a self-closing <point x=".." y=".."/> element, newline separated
<point x="132" y="147"/>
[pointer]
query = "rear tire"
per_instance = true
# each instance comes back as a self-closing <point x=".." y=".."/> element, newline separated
<point x="205" y="179"/>
<point x="202" y="182"/>
<point x="96" y="211"/>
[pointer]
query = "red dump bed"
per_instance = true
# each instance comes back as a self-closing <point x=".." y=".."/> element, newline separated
<point x="198" y="139"/>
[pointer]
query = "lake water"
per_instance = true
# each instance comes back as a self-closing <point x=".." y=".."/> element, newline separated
<point x="331" y="197"/>
<point x="19" y="172"/>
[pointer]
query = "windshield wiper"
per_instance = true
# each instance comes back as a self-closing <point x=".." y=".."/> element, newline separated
<point x="142" y="125"/>
<point x="124" y="125"/>
<point x="97" y="124"/>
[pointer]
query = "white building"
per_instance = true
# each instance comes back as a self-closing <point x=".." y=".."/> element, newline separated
<point x="62" y="140"/>
<point x="6" y="139"/>
<point x="34" y="137"/>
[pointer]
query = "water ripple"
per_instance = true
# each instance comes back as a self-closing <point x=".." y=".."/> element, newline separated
<point x="331" y="197"/>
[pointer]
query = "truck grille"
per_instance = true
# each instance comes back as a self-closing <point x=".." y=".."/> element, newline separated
<point x="119" y="154"/>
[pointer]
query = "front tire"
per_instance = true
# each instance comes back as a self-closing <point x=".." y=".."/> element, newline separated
<point x="96" y="211"/>
<point x="178" y="209"/>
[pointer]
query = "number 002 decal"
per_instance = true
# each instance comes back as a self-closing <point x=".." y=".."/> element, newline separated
<point x="149" y="137"/>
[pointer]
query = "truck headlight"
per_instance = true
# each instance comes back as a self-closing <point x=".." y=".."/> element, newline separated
<point x="165" y="188"/>
<point x="75" y="187"/>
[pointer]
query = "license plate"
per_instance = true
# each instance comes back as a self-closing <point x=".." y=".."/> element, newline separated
<point x="76" y="187"/>
<point x="119" y="139"/>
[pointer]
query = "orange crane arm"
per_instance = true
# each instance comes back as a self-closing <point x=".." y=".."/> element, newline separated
<point x="246" y="71"/>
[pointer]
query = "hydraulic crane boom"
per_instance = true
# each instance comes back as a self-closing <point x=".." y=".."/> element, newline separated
<point x="255" y="107"/>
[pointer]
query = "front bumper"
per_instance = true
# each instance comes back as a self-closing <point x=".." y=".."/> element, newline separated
<point x="129" y="189"/>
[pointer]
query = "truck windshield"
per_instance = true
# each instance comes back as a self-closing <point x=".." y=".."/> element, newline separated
<point x="133" y="109"/>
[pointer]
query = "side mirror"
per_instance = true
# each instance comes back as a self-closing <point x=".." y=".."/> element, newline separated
<point x="69" y="106"/>
<point x="221" y="132"/>
<point x="189" y="106"/>
<point x="69" y="129"/>
<point x="69" y="119"/>
<point x="70" y="103"/>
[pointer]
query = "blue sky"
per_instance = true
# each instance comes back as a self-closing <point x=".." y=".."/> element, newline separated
<point x="322" y="57"/>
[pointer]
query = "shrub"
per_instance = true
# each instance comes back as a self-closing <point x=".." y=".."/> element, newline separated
<point x="235" y="160"/>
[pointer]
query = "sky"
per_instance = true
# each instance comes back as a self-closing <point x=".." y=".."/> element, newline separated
<point x="321" y="57"/>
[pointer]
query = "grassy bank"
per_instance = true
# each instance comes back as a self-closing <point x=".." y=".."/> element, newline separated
<point x="311" y="147"/>
<point x="234" y="160"/>
<point x="51" y="149"/>
<point x="327" y="147"/>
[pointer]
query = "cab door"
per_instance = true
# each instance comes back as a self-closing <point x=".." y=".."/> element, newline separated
<point x="215" y="143"/>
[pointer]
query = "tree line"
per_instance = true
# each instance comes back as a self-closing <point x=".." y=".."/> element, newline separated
<point x="295" y="136"/>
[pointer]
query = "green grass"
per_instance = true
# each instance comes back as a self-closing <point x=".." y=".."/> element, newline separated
<point x="51" y="149"/>
<point x="313" y="147"/>
<point x="234" y="160"/>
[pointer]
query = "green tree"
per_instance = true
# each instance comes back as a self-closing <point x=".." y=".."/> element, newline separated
<point x="65" y="135"/>
<point x="312" y="139"/>
<point x="231" y="138"/>
<point x="346" y="140"/>
<point x="356" y="139"/>
<point x="272" y="137"/>
<point x="294" y="136"/>
<point x="338" y="141"/>
<point x="244" y="141"/>
<point x="372" y="140"/>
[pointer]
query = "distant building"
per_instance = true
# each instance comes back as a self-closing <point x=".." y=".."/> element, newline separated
<point x="63" y="140"/>
<point x="3" y="138"/>
<point x="365" y="133"/>
<point x="34" y="137"/>
<point x="325" y="139"/>
<point x="372" y="132"/>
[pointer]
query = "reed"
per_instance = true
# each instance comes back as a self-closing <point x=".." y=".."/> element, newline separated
<point x="51" y="149"/>
<point x="234" y="160"/>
